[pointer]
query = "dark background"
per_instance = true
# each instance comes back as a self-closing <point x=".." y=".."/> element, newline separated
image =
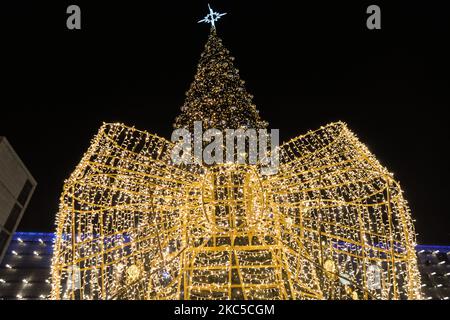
<point x="306" y="65"/>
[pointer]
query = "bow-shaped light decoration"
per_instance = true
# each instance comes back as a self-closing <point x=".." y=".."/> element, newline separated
<point x="331" y="224"/>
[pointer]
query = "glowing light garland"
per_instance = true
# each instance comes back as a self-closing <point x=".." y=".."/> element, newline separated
<point x="332" y="224"/>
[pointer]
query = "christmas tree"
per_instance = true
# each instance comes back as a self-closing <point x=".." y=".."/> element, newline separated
<point x="217" y="96"/>
<point x="332" y="223"/>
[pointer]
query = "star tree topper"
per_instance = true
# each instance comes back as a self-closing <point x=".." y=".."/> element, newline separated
<point x="212" y="17"/>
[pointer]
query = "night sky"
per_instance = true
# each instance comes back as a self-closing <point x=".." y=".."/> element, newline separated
<point x="306" y="66"/>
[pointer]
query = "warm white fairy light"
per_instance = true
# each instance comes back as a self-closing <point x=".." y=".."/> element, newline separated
<point x="332" y="224"/>
<point x="131" y="225"/>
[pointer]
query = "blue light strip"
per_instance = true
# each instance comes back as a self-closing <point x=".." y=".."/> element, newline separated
<point x="49" y="237"/>
<point x="34" y="236"/>
<point x="426" y="247"/>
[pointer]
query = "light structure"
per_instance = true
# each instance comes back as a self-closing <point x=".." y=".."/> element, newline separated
<point x="331" y="224"/>
<point x="217" y="96"/>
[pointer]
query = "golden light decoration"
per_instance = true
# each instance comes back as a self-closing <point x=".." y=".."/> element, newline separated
<point x="133" y="274"/>
<point x="331" y="224"/>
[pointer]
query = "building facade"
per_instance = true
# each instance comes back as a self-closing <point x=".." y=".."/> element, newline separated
<point x="16" y="187"/>
<point x="434" y="267"/>
<point x="25" y="271"/>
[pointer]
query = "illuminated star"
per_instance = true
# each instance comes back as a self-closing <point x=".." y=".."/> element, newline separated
<point x="212" y="17"/>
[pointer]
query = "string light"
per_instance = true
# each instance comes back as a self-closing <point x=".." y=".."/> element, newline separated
<point x="217" y="96"/>
<point x="332" y="224"/>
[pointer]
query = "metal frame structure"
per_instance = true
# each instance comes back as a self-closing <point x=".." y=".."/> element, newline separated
<point x="332" y="224"/>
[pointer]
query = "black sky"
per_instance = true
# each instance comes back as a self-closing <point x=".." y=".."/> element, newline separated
<point x="306" y="66"/>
